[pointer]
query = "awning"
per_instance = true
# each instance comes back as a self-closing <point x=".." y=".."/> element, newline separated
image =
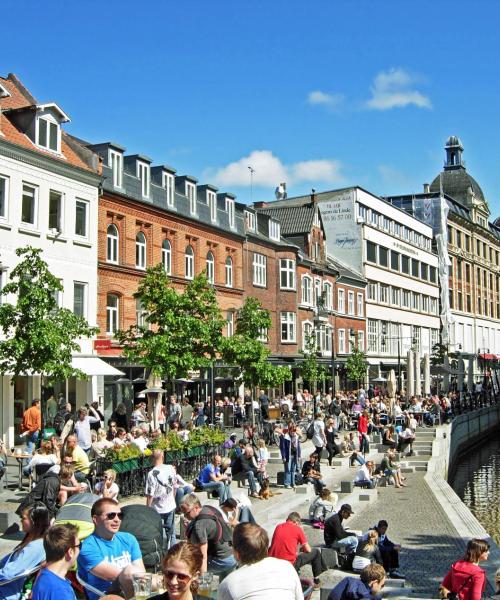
<point x="91" y="365"/>
<point x="487" y="356"/>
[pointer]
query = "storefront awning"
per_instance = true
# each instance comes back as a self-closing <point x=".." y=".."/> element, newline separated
<point x="91" y="365"/>
<point x="487" y="356"/>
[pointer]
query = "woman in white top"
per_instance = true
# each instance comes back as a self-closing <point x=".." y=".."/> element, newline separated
<point x="102" y="444"/>
<point x="319" y="438"/>
<point x="262" y="458"/>
<point x="108" y="488"/>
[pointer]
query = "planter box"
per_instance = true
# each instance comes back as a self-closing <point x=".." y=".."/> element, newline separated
<point x="122" y="466"/>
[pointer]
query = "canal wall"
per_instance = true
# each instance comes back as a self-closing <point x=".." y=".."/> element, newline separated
<point x="451" y="440"/>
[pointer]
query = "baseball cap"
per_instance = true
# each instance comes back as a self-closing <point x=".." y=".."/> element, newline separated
<point x="347" y="508"/>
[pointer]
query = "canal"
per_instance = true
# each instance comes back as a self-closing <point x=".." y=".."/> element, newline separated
<point x="476" y="479"/>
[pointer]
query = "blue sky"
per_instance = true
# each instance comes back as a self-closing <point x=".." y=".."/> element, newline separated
<point x="319" y="94"/>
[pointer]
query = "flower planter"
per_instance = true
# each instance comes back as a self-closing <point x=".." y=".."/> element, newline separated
<point x="122" y="466"/>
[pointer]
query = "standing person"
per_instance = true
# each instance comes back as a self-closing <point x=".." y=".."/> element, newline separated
<point x="63" y="415"/>
<point x="108" y="555"/>
<point x="160" y="495"/>
<point x="181" y="568"/>
<point x="186" y="412"/>
<point x="50" y="410"/>
<point x="466" y="579"/>
<point x="175" y="412"/>
<point x="364" y="440"/>
<point x="289" y="536"/>
<point x="369" y="585"/>
<point x="97" y="414"/>
<point x="319" y="438"/>
<point x="82" y="429"/>
<point x="290" y="451"/>
<point x="27" y="555"/>
<point x="119" y="416"/>
<point x="331" y="446"/>
<point x="264" y="405"/>
<point x="259" y="576"/>
<point x="31" y="425"/>
<point x="61" y="546"/>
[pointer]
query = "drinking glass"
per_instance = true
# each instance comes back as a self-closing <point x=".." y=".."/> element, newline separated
<point x="142" y="585"/>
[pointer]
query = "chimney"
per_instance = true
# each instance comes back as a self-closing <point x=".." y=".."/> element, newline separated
<point x="427" y="188"/>
<point x="313" y="196"/>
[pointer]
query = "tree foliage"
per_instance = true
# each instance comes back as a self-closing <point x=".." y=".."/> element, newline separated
<point x="310" y="369"/>
<point x="356" y="365"/>
<point x="247" y="353"/>
<point x="439" y="352"/>
<point x="182" y="330"/>
<point x="39" y="336"/>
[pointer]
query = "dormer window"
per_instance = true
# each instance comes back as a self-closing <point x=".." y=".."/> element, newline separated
<point x="48" y="134"/>
<point x="274" y="230"/>
<point x="143" y="175"/>
<point x="212" y="203"/>
<point x="168" y="184"/>
<point x="250" y="220"/>
<point x="116" y="164"/>
<point x="191" y="194"/>
<point x="230" y="211"/>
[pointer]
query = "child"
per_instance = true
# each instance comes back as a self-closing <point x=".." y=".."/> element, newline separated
<point x="322" y="508"/>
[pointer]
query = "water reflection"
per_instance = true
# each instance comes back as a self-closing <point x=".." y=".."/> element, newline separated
<point x="477" y="481"/>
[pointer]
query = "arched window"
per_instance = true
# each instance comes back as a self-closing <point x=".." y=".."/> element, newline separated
<point x="112" y="239"/>
<point x="166" y="256"/>
<point x="189" y="263"/>
<point x="229" y="272"/>
<point x="112" y="313"/>
<point x="140" y="250"/>
<point x="210" y="268"/>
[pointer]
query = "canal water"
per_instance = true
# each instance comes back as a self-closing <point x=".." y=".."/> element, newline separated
<point x="476" y="479"/>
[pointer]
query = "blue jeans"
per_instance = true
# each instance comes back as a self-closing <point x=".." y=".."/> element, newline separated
<point x="245" y="515"/>
<point x="180" y="492"/>
<point x="251" y="482"/>
<point x="222" y="566"/>
<point x="350" y="542"/>
<point x="169" y="538"/>
<point x="290" y="468"/>
<point x="220" y="487"/>
<point x="31" y="440"/>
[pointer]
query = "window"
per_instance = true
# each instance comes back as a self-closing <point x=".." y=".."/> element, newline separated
<point x="415" y="301"/>
<point x="361" y="341"/>
<point x="112" y="244"/>
<point x="432" y="274"/>
<point x="191" y="194"/>
<point x="79" y="299"/>
<point x="467" y="243"/>
<point x="29" y="206"/>
<point x="116" y="164"/>
<point x="374" y="218"/>
<point x="424" y="271"/>
<point x="425" y="304"/>
<point x="140" y="313"/>
<point x="469" y="303"/>
<point x="397" y="229"/>
<point x="341" y="336"/>
<point x="210" y="268"/>
<point x="250" y="220"/>
<point x="259" y="269"/>
<point x="395" y="296"/>
<point x="189" y="263"/>
<point x="166" y="256"/>
<point x="433" y="305"/>
<point x="230" y="211"/>
<point x="341" y="301"/>
<point x="140" y="250"/>
<point x="229" y="272"/>
<point x="48" y="134"/>
<point x="288" y="320"/>
<point x="230" y="323"/>
<point x="212" y="203"/>
<point x="384" y="293"/>
<point x="360" y="305"/>
<point x="371" y="252"/>
<point x="328" y="295"/>
<point x="386" y="223"/>
<point x="307" y="330"/>
<point x="406" y="299"/>
<point x="372" y="291"/>
<point x="274" y="230"/>
<point x="372" y="335"/>
<point x="383" y="259"/>
<point x="143" y="174"/>
<point x="169" y="185"/>
<point x="362" y="212"/>
<point x="287" y="274"/>
<point x="405" y="264"/>
<point x="459" y="239"/>
<point x="112" y="314"/>
<point x="415" y="271"/>
<point x="395" y="260"/>
<point x="350" y="302"/>
<point x="307" y="290"/>
<point x="55" y="211"/>
<point x="4" y="195"/>
<point x="317" y="291"/>
<point x="81" y="218"/>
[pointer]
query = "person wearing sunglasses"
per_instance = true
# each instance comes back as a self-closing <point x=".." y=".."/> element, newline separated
<point x="62" y="546"/>
<point x="181" y="568"/>
<point x="109" y="557"/>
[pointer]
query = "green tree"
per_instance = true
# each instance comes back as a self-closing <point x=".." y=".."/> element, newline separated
<point x="248" y="355"/>
<point x="310" y="369"/>
<point x="39" y="336"/>
<point x="356" y="365"/>
<point x="439" y="352"/>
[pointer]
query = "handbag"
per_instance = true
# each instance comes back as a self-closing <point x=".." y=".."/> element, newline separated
<point x="455" y="595"/>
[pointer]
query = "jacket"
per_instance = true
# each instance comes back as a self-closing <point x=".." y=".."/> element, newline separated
<point x="46" y="490"/>
<point x="334" y="530"/>
<point x="351" y="588"/>
<point x="465" y="579"/>
<point x="32" y="419"/>
<point x="285" y="446"/>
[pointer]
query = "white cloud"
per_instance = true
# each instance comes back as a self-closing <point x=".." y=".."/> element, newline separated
<point x="269" y="171"/>
<point x="320" y="98"/>
<point x="393" y="89"/>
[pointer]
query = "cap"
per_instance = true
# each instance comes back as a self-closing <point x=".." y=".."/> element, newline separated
<point x="347" y="508"/>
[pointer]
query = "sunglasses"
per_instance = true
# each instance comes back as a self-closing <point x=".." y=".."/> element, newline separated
<point x="76" y="546"/>
<point x="112" y="515"/>
<point x="181" y="577"/>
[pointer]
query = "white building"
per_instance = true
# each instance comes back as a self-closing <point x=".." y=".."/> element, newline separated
<point x="393" y="250"/>
<point x="49" y="187"/>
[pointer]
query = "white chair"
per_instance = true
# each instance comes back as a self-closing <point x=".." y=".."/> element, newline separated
<point x="87" y="587"/>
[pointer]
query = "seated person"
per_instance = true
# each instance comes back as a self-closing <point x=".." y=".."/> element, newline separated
<point x="109" y="557"/>
<point x="336" y="534"/>
<point x="367" y="552"/>
<point x="107" y="488"/>
<point x="311" y="471"/>
<point x="139" y="439"/>
<point x="390" y="468"/>
<point x="350" y="447"/>
<point x="322" y="507"/>
<point x="406" y="439"/>
<point x="364" y="477"/>
<point x="121" y="438"/>
<point x="211" y="479"/>
<point x="236" y="510"/>
<point x="44" y="456"/>
<point x="81" y="461"/>
<point x="389" y="437"/>
<point x="68" y="482"/>
<point x="102" y="444"/>
<point x="389" y="550"/>
<point x="368" y="586"/>
<point x="247" y="465"/>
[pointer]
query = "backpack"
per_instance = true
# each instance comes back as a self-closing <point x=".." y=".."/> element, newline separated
<point x="146" y="525"/>
<point x="334" y="409"/>
<point x="310" y="431"/>
<point x="224" y="531"/>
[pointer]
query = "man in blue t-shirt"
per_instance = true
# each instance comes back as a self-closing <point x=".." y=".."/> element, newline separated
<point x="109" y="556"/>
<point x="210" y="478"/>
<point x="61" y="546"/>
